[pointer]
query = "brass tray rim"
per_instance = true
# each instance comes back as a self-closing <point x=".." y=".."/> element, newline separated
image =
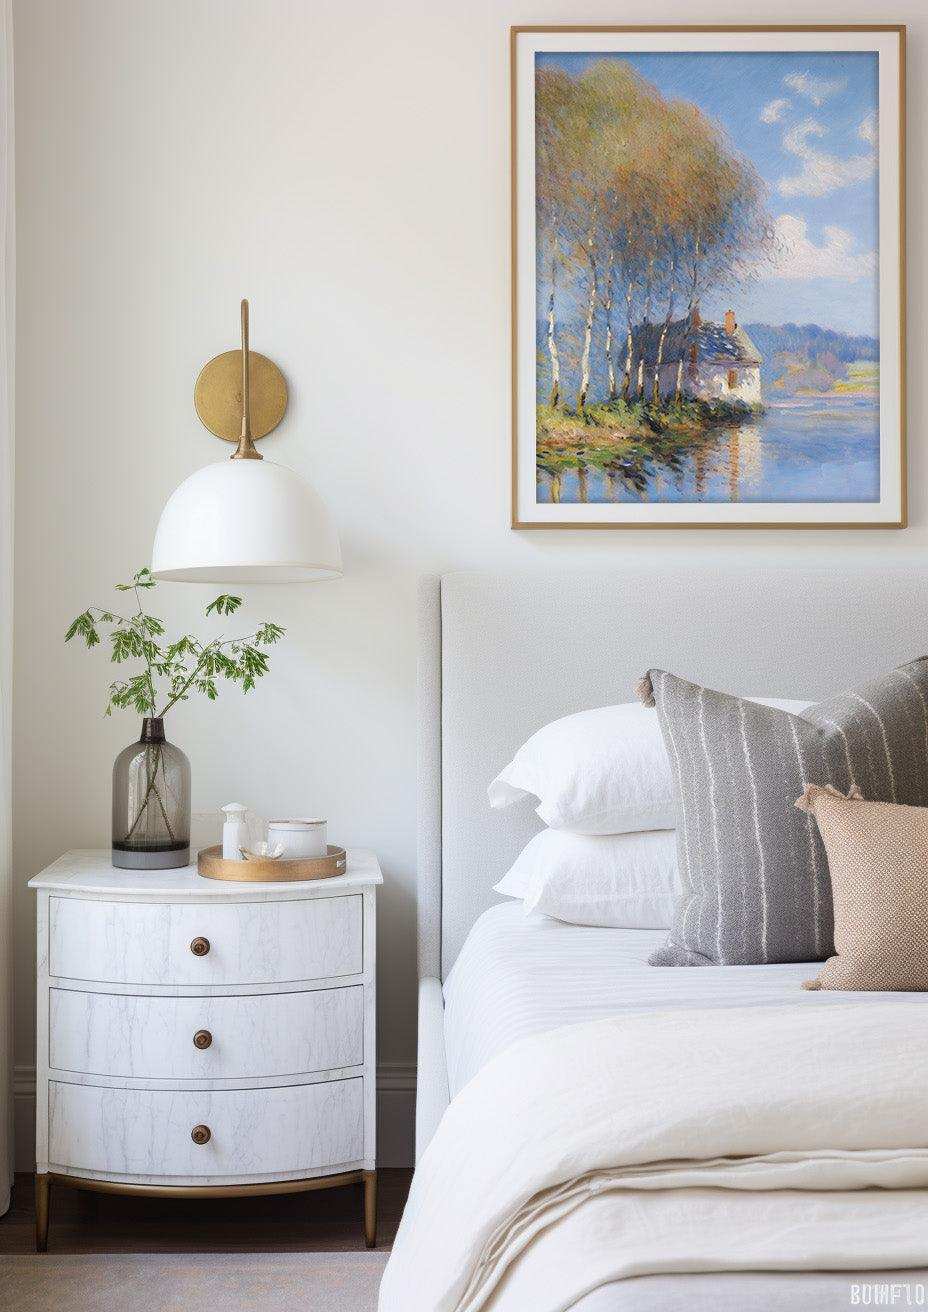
<point x="211" y="865"/>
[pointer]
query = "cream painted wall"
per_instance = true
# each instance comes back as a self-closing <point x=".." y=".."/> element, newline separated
<point x="345" y="165"/>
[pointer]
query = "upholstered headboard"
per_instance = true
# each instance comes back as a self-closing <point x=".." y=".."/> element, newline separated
<point x="500" y="656"/>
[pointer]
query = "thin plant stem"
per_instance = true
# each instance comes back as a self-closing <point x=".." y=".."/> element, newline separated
<point x="196" y="670"/>
<point x="152" y="788"/>
<point x="151" y="682"/>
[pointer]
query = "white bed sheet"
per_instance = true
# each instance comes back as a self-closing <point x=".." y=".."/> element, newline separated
<point x="518" y="975"/>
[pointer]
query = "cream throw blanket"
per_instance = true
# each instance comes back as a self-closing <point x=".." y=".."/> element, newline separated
<point x="786" y="1138"/>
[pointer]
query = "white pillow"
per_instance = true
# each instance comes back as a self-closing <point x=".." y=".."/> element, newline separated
<point x="613" y="880"/>
<point x="603" y="771"/>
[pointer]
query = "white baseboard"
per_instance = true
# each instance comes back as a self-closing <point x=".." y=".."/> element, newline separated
<point x="396" y="1110"/>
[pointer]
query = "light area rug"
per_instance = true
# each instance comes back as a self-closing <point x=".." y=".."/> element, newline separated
<point x="191" y="1282"/>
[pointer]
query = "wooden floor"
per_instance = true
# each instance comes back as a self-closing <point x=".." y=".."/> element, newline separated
<point x="327" y="1220"/>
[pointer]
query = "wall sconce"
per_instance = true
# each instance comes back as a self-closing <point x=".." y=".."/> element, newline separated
<point x="246" y="520"/>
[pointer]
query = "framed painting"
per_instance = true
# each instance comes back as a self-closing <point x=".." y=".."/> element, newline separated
<point x="708" y="277"/>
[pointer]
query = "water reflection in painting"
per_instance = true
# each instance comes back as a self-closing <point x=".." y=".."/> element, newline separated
<point x="804" y="450"/>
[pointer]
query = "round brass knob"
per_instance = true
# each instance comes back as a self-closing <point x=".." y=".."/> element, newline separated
<point x="199" y="947"/>
<point x="202" y="1039"/>
<point x="201" y="1134"/>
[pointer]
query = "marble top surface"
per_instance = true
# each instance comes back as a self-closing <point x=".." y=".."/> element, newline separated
<point x="91" y="871"/>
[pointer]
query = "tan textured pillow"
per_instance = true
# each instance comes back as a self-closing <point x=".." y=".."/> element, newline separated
<point x="878" y="861"/>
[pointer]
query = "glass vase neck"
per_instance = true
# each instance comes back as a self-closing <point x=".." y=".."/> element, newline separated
<point x="152" y="729"/>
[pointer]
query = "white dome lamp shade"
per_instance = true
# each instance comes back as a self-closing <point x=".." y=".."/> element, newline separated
<point x="245" y="520"/>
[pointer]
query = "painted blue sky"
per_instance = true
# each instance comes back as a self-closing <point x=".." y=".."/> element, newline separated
<point x="808" y="124"/>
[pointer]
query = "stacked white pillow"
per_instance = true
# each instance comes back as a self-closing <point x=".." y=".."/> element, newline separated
<point x="604" y="788"/>
<point x="602" y="879"/>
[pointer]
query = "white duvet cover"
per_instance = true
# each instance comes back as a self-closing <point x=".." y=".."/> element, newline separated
<point x="781" y="1138"/>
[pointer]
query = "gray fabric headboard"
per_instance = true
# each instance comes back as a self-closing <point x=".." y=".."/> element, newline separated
<point x="499" y="656"/>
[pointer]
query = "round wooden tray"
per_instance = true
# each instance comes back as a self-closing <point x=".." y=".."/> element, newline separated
<point x="211" y="864"/>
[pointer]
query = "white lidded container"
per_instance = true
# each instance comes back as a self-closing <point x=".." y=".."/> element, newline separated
<point x="298" y="838"/>
<point x="234" y="835"/>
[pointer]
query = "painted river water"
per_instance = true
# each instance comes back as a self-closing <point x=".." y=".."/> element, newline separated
<point x="806" y="449"/>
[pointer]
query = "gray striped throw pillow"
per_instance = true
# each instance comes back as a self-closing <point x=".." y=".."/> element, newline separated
<point x="754" y="871"/>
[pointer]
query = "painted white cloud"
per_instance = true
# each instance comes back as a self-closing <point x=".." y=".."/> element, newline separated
<point x="795" y="255"/>
<point x="869" y="129"/>
<point x="816" y="89"/>
<point x="821" y="173"/>
<point x="772" y="112"/>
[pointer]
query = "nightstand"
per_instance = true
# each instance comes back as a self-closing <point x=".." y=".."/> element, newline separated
<point x="199" y="1038"/>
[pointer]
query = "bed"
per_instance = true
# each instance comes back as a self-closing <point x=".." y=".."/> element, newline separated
<point x="501" y="656"/>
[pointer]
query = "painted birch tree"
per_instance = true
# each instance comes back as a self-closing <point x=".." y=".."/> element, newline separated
<point x="553" y="95"/>
<point x="643" y="204"/>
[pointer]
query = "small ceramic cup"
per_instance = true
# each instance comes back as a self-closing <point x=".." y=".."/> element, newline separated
<point x="298" y="838"/>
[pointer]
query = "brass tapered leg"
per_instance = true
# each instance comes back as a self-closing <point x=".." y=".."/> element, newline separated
<point x="43" y="1185"/>
<point x="370" y="1208"/>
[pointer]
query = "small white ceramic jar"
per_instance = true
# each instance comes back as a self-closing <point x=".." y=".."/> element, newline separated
<point x="298" y="838"/>
<point x="233" y="831"/>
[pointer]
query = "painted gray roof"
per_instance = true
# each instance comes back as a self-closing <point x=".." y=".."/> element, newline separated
<point x="713" y="344"/>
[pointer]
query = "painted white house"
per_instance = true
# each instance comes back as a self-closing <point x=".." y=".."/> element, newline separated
<point x="720" y="362"/>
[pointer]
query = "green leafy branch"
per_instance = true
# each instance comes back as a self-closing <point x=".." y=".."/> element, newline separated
<point x="172" y="672"/>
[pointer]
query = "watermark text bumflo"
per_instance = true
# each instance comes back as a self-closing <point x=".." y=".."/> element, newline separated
<point x="890" y="1293"/>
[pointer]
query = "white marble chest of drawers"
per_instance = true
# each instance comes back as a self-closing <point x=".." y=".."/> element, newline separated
<point x="199" y="1037"/>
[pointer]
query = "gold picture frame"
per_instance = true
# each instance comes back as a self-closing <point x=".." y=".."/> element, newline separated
<point x="890" y="511"/>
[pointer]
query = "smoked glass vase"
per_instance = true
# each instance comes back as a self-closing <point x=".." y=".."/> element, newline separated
<point x="151" y="803"/>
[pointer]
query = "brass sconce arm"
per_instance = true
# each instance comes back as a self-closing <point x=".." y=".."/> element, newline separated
<point x="246" y="449"/>
<point x="241" y="396"/>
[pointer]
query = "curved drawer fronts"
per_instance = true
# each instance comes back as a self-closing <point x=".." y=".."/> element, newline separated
<point x="248" y="943"/>
<point x="149" y="1132"/>
<point x="250" y="1036"/>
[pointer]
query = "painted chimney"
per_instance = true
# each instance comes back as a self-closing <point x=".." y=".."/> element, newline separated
<point x="731" y="322"/>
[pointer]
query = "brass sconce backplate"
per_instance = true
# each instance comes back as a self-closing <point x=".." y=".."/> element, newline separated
<point x="217" y="395"/>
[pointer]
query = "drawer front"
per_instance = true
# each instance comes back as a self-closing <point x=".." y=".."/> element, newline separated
<point x="282" y="1131"/>
<point x="248" y="942"/>
<point x="247" y="1037"/>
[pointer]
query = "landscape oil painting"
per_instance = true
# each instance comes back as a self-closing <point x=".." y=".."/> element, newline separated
<point x="708" y="307"/>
